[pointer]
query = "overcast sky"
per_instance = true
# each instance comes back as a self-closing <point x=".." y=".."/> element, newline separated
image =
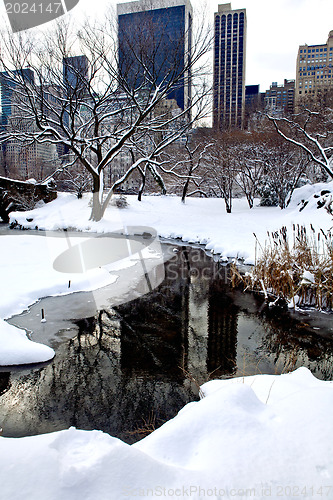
<point x="275" y="29"/>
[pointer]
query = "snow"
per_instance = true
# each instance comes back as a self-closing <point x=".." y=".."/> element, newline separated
<point x="199" y="220"/>
<point x="16" y="348"/>
<point x="250" y="437"/>
<point x="27" y="274"/>
<point x="308" y="278"/>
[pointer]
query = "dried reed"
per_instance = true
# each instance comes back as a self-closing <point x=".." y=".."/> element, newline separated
<point x="296" y="268"/>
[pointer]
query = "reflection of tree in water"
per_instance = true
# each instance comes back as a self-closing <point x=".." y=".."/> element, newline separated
<point x="86" y="387"/>
<point x="291" y="344"/>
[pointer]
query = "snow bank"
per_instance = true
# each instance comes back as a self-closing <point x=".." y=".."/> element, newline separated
<point x="251" y="437"/>
<point x="27" y="272"/>
<point x="309" y="194"/>
<point x="16" y="348"/>
<point x="199" y="220"/>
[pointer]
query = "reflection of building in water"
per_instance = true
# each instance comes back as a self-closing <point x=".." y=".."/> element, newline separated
<point x="186" y="322"/>
<point x="222" y="335"/>
<point x="154" y="327"/>
<point x="201" y="271"/>
<point x="198" y="328"/>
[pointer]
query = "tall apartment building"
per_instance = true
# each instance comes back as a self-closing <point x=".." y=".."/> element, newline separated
<point x="280" y="99"/>
<point x="159" y="33"/>
<point x="229" y="67"/>
<point x="314" y="71"/>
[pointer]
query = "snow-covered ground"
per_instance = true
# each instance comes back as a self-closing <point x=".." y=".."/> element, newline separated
<point x="199" y="220"/>
<point x="254" y="437"/>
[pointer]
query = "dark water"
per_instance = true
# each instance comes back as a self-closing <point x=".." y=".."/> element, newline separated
<point x="130" y="367"/>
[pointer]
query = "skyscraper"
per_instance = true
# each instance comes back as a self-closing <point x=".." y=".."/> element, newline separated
<point x="229" y="68"/>
<point x="314" y="71"/>
<point x="8" y="91"/>
<point x="75" y="72"/>
<point x="155" y="39"/>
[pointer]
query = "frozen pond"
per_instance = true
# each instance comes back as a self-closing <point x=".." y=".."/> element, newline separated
<point x="125" y="367"/>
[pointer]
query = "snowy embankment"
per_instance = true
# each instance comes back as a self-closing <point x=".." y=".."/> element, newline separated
<point x="254" y="437"/>
<point x="27" y="272"/>
<point x="199" y="220"/>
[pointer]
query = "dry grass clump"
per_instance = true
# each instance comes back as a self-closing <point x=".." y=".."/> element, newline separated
<point x="296" y="268"/>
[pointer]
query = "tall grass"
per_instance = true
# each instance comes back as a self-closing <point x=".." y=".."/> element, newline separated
<point x="297" y="268"/>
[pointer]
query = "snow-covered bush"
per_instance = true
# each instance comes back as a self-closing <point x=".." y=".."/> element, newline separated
<point x="119" y="201"/>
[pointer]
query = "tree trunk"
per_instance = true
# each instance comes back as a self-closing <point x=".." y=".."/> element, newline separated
<point x="187" y="183"/>
<point x="97" y="210"/>
<point x="185" y="188"/>
<point x="142" y="187"/>
<point x="249" y="198"/>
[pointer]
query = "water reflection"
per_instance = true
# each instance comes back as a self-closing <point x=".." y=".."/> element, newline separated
<point x="222" y="331"/>
<point x="294" y="344"/>
<point x="133" y="365"/>
<point x="4" y="382"/>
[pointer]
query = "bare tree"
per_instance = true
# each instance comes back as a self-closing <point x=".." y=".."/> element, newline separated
<point x="92" y="113"/>
<point x="246" y="154"/>
<point x="75" y="179"/>
<point x="184" y="163"/>
<point x="283" y="166"/>
<point x="220" y="170"/>
<point x="311" y="130"/>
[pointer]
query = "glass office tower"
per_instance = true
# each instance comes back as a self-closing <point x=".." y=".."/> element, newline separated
<point x="76" y="72"/>
<point x="154" y="45"/>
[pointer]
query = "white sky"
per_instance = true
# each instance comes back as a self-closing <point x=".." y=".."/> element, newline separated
<point x="275" y="29"/>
